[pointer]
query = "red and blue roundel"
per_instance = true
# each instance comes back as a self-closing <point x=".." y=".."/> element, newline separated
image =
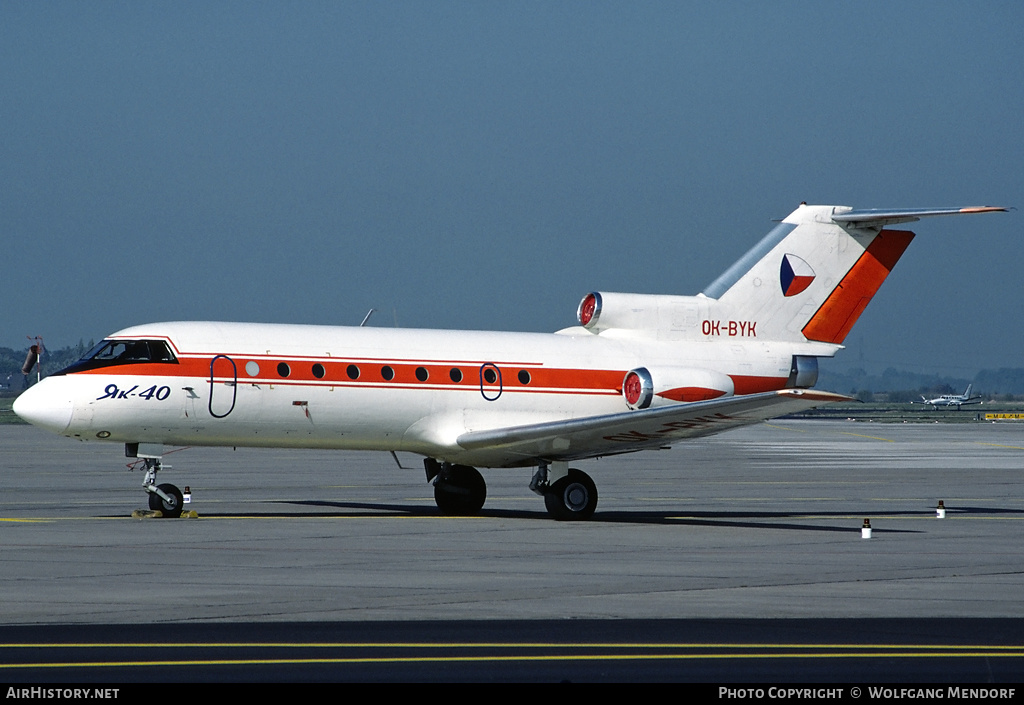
<point x="795" y="275"/>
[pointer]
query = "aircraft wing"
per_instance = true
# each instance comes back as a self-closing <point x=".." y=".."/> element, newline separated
<point x="880" y="217"/>
<point x="639" y="430"/>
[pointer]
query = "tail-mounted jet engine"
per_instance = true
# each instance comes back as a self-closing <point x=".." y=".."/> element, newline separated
<point x="599" y="311"/>
<point x="644" y="387"/>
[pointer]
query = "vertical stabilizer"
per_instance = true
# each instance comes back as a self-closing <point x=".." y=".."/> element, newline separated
<point x="809" y="278"/>
<point x="813" y="275"/>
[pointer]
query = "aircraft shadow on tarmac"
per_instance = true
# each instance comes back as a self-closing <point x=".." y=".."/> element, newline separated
<point x="737" y="519"/>
<point x="839" y="521"/>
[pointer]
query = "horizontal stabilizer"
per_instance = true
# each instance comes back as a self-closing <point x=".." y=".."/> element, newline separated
<point x="880" y="217"/>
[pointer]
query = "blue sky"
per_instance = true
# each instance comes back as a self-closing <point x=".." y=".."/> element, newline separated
<point x="486" y="164"/>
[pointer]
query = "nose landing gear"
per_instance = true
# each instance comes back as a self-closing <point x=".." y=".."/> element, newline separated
<point x="168" y="500"/>
<point x="165" y="498"/>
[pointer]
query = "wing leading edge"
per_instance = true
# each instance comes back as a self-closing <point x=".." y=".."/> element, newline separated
<point x="630" y="431"/>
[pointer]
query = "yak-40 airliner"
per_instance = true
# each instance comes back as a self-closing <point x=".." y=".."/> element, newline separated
<point x="639" y="372"/>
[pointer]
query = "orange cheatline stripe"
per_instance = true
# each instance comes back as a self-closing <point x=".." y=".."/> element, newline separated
<point x="833" y="320"/>
<point x="546" y="380"/>
<point x="404" y="374"/>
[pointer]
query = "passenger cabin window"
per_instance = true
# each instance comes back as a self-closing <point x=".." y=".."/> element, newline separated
<point x="109" y="353"/>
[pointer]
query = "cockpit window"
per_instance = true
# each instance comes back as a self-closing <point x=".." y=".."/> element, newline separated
<point x="131" y="351"/>
<point x="123" y="352"/>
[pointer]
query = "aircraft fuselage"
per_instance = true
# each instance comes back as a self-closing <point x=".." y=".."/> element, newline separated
<point x="249" y="384"/>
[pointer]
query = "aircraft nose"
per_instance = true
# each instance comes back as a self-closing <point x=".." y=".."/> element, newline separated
<point x="45" y="407"/>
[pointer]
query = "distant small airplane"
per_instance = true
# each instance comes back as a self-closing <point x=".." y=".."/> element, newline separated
<point x="951" y="400"/>
<point x="638" y="372"/>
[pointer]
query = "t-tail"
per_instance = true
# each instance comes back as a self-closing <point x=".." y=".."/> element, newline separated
<point x="799" y="291"/>
<point x="813" y="275"/>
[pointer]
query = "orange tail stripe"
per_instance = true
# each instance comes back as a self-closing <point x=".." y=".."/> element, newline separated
<point x="833" y="321"/>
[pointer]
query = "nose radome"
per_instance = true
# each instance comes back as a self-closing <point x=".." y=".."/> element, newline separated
<point x="46" y="406"/>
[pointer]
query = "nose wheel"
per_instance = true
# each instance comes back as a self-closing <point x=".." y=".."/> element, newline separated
<point x="167" y="499"/>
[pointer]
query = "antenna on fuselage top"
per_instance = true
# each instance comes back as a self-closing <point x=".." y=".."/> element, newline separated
<point x="367" y="317"/>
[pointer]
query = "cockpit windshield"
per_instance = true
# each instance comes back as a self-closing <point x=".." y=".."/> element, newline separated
<point x="123" y="352"/>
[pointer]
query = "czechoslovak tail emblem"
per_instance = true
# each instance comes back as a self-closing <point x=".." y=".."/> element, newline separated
<point x="795" y="275"/>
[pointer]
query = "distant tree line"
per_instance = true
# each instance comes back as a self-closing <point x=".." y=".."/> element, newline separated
<point x="902" y="386"/>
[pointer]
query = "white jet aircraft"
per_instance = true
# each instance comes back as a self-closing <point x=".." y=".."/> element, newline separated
<point x="956" y="400"/>
<point x="638" y="372"/>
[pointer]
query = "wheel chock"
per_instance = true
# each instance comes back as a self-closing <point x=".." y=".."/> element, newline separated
<point x="157" y="514"/>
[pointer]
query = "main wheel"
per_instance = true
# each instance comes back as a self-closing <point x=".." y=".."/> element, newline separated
<point x="573" y="498"/>
<point x="172" y="509"/>
<point x="461" y="491"/>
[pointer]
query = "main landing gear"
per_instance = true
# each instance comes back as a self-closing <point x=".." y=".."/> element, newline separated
<point x="570" y="497"/>
<point x="459" y="490"/>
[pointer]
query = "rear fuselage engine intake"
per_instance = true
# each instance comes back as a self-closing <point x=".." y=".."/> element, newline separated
<point x="644" y="387"/>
